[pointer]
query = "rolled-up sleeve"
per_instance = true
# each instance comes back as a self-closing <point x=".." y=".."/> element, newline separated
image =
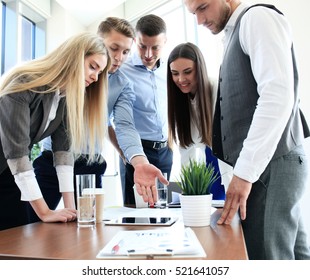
<point x="127" y="135"/>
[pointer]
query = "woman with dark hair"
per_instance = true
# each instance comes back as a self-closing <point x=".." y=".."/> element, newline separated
<point x="191" y="101"/>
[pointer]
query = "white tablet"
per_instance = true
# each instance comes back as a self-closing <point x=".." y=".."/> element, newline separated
<point x="142" y="221"/>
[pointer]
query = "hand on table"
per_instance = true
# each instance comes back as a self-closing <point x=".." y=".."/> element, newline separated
<point x="60" y="215"/>
<point x="236" y="197"/>
<point x="49" y="216"/>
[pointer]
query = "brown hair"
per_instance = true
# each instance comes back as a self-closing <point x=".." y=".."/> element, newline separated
<point x="179" y="106"/>
<point x="151" y="25"/>
<point x="119" y="25"/>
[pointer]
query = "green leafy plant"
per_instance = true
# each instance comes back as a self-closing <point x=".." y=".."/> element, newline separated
<point x="197" y="178"/>
<point x="36" y="149"/>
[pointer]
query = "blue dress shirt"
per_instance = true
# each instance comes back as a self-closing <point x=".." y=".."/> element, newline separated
<point x="150" y="105"/>
<point x="120" y="108"/>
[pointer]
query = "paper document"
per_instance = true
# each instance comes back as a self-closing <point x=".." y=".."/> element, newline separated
<point x="154" y="243"/>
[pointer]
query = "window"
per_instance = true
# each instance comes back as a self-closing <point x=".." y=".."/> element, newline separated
<point x="22" y="38"/>
<point x="182" y="27"/>
<point x="27" y="39"/>
<point x="173" y="15"/>
<point x="22" y="34"/>
<point x="212" y="48"/>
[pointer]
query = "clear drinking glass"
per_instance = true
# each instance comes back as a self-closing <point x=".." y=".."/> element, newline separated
<point x="162" y="195"/>
<point x="86" y="200"/>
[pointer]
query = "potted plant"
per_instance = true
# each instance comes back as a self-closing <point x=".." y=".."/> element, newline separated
<point x="195" y="181"/>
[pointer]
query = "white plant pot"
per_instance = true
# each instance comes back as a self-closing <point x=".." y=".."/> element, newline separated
<point x="196" y="210"/>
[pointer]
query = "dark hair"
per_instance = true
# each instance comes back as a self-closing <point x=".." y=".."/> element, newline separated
<point x="151" y="25"/>
<point x="179" y="105"/>
<point x="119" y="25"/>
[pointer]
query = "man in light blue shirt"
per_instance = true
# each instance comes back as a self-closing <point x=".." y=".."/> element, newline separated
<point x="147" y="71"/>
<point x="118" y="36"/>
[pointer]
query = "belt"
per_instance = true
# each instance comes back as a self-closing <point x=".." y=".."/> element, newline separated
<point x="154" y="144"/>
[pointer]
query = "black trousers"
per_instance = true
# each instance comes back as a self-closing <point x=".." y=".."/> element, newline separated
<point x="47" y="177"/>
<point x="13" y="211"/>
<point x="161" y="158"/>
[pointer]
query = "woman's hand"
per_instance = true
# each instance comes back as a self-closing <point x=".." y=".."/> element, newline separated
<point x="59" y="215"/>
<point x="47" y="215"/>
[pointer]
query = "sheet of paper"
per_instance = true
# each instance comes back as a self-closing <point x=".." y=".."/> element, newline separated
<point x="155" y="243"/>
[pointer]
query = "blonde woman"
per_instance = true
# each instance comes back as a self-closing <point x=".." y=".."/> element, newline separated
<point x="62" y="95"/>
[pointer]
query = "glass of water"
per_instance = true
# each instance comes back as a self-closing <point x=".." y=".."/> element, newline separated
<point x="86" y="200"/>
<point x="162" y="195"/>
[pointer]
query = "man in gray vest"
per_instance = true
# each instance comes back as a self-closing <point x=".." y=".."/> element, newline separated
<point x="257" y="126"/>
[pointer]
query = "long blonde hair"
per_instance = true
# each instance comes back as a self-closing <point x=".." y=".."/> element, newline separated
<point x="63" y="69"/>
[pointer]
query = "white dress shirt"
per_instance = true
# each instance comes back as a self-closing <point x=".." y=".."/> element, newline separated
<point x="266" y="37"/>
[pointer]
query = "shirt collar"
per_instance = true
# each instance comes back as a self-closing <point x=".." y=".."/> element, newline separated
<point x="232" y="22"/>
<point x="110" y="74"/>
<point x="136" y="60"/>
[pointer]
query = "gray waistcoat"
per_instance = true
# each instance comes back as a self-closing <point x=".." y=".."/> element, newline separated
<point x="238" y="99"/>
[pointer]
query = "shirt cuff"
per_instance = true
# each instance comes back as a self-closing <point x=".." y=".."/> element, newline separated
<point x="134" y="155"/>
<point x="247" y="170"/>
<point x="65" y="178"/>
<point x="28" y="185"/>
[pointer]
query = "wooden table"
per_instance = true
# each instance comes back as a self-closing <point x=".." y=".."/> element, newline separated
<point x="67" y="241"/>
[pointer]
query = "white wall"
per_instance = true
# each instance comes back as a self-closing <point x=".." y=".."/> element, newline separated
<point x="117" y="12"/>
<point x="60" y="26"/>
<point x="133" y="8"/>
